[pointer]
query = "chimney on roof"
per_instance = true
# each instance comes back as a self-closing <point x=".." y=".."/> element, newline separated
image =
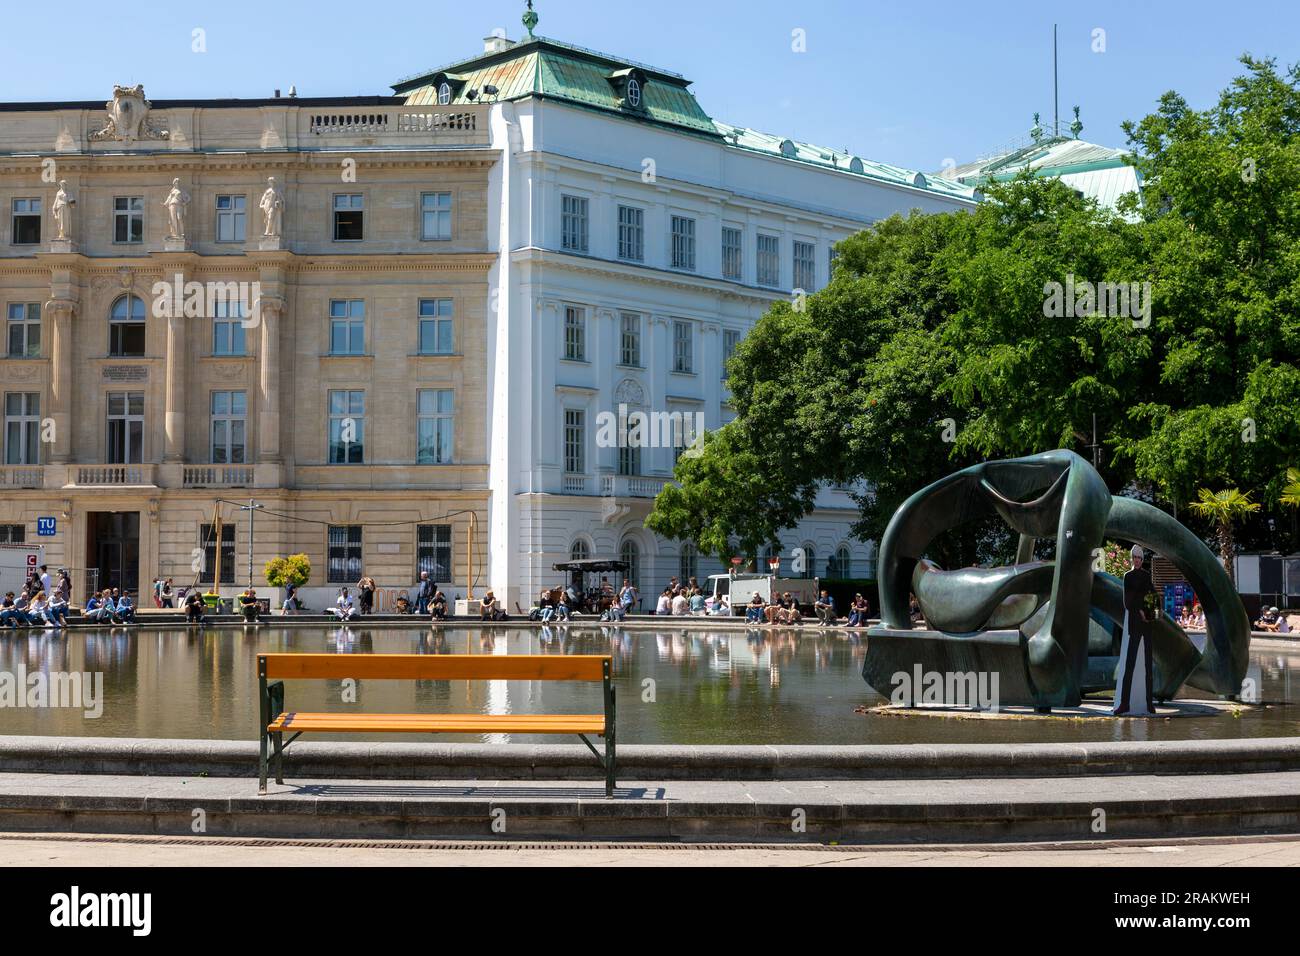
<point x="277" y="94"/>
<point x="497" y="42"/>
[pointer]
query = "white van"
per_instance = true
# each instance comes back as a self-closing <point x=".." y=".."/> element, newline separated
<point x="740" y="589"/>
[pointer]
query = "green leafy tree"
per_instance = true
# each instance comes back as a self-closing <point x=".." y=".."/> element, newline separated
<point x="936" y="343"/>
<point x="295" y="570"/>
<point x="1291" y="491"/>
<point x="1224" y="509"/>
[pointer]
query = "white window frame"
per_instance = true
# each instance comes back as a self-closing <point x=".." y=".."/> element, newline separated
<point x="683" y="243"/>
<point x="683" y="347"/>
<point x="575" y="223"/>
<point x="440" y="417"/>
<point x="129" y="211"/>
<point x="441" y="213"/>
<point x="575" y="333"/>
<point x="228" y="420"/>
<point x="631" y="233"/>
<point x="804" y="269"/>
<point x="22" y="435"/>
<point x="767" y="260"/>
<point x="441" y="315"/>
<point x="336" y="420"/>
<point x="629" y="339"/>
<point x="350" y="321"/>
<point x="26" y="316"/>
<point x="733" y="251"/>
<point x="233" y="218"/>
<point x="574" y="436"/>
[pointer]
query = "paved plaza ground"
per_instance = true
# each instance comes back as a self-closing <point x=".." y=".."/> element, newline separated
<point x="84" y="850"/>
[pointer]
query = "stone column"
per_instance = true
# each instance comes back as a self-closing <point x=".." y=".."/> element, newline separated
<point x="174" y="408"/>
<point x="60" y="410"/>
<point x="268" y="428"/>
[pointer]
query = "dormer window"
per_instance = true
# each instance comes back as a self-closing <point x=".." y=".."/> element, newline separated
<point x="444" y="94"/>
<point x="629" y="87"/>
<point x="446" y="87"/>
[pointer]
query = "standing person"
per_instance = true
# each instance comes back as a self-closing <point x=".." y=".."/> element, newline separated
<point x="63" y="587"/>
<point x="628" y="596"/>
<point x="366" y="591"/>
<point x="45" y="580"/>
<point x="167" y="594"/>
<point x="424" y="594"/>
<point x="1133" y="681"/>
<point x="157" y="592"/>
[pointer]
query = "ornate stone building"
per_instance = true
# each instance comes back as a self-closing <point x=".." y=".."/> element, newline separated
<point x="448" y="291"/>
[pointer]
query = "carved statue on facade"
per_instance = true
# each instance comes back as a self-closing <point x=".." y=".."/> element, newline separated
<point x="272" y="206"/>
<point x="178" y="204"/>
<point x="63" y="203"/>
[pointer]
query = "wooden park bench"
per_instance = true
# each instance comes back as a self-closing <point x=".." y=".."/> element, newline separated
<point x="274" y="669"/>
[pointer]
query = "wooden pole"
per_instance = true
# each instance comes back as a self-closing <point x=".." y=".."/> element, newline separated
<point x="469" y="558"/>
<point x="216" y="530"/>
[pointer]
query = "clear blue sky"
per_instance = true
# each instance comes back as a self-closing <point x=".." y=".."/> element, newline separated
<point x="911" y="84"/>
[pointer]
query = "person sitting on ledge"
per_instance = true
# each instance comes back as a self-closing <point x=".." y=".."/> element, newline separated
<point x="754" y="611"/>
<point x="125" y="610"/>
<point x="248" y="604"/>
<point x="95" y="609"/>
<point x="193" y="608"/>
<point x="344" y="608"/>
<point x="438" y="607"/>
<point x="489" y="610"/>
<point x="1268" y="621"/>
<point x="859" y="611"/>
<point x="825" y="608"/>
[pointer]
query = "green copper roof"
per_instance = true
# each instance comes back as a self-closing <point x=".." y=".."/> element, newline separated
<point x="550" y="69"/>
<point x="560" y="71"/>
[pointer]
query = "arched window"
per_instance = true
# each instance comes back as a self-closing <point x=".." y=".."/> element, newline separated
<point x="809" y="562"/>
<point x="579" y="551"/>
<point x="630" y="552"/>
<point x="839" y="566"/>
<point x="126" y="327"/>
<point x="633" y="93"/>
<point x="444" y="93"/>
<point x="689" y="564"/>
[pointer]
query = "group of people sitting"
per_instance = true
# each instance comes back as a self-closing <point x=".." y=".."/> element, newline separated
<point x="33" y="610"/>
<point x="110" y="607"/>
<point x="688" y="600"/>
<point x="1192" y="617"/>
<point x="41" y="604"/>
<point x="1271" y="620"/>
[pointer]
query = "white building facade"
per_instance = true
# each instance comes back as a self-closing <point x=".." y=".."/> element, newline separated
<point x="639" y="240"/>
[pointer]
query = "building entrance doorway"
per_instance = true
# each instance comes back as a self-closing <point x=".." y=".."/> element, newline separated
<point x="113" y="546"/>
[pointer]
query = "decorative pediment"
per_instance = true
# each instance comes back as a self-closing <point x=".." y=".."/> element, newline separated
<point x="128" y="117"/>
<point x="629" y="393"/>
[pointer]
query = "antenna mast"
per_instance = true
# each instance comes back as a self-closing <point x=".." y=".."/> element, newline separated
<point x="1056" y="98"/>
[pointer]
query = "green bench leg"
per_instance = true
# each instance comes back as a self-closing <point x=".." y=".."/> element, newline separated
<point x="609" y="766"/>
<point x="261" y="765"/>
<point x="279" y="758"/>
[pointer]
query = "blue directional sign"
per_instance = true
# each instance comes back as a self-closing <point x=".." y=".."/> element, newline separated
<point x="45" y="527"/>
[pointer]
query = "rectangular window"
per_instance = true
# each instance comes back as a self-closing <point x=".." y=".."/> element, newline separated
<point x="230" y="218"/>
<point x="629" y="339"/>
<point x="344" y="554"/>
<point x="128" y="219"/>
<point x="683" y="243"/>
<point x="573" y="223"/>
<point x="631" y="234"/>
<point x="23" y="428"/>
<point x="347" y="435"/>
<point x="732" y="254"/>
<point x="228" y="317"/>
<point x="435" y="215"/>
<point x="209" y="543"/>
<point x="769" y="261"/>
<point x="13" y="533"/>
<point x="26" y="222"/>
<point x="125" y="428"/>
<point x="575" y="333"/>
<point x="435" y="327"/>
<point x="347" y="327"/>
<point x="229" y="427"/>
<point x="433" y="552"/>
<point x="629" y="459"/>
<point x="24" y="330"/>
<point x="435" y="426"/>
<point x="349" y="217"/>
<point x="805" y="266"/>
<point x="730" y="339"/>
<point x="575" y="441"/>
<point x="683" y="346"/>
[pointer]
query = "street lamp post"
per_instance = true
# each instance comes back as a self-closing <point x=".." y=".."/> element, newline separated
<point x="251" y="508"/>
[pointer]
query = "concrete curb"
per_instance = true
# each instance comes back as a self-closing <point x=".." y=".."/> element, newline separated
<point x="416" y="761"/>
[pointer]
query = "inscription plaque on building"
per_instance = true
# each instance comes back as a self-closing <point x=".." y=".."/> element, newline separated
<point x="126" y="373"/>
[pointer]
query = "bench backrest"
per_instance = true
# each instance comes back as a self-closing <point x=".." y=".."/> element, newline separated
<point x="575" y="667"/>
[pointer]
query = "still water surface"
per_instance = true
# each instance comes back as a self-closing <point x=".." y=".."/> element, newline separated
<point x="758" y="687"/>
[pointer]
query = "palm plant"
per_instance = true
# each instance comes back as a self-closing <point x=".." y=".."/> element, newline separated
<point x="1224" y="508"/>
<point x="1291" y="490"/>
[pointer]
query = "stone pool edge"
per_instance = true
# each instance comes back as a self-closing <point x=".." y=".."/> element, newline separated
<point x="416" y="761"/>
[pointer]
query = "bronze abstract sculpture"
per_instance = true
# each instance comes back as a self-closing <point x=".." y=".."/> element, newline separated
<point x="1048" y="629"/>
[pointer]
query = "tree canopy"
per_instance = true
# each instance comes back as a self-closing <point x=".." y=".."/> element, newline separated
<point x="945" y="339"/>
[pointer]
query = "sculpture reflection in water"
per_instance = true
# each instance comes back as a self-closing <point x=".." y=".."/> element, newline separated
<point x="1049" y="631"/>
